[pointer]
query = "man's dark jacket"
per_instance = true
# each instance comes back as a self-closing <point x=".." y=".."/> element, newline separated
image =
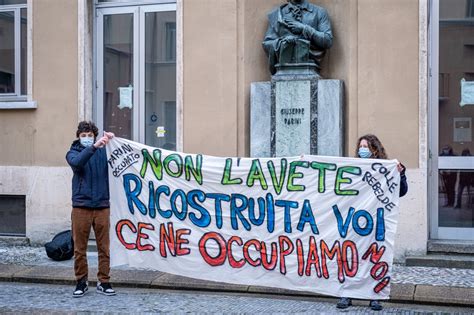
<point x="90" y="183"/>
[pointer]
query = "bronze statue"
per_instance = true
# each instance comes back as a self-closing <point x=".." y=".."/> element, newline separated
<point x="298" y="35"/>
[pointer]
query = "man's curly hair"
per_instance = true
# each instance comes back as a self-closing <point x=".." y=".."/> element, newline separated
<point x="87" y="126"/>
<point x="375" y="146"/>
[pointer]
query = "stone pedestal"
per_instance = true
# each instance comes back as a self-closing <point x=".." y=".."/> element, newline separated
<point x="330" y="128"/>
<point x="296" y="114"/>
<point x="260" y="119"/>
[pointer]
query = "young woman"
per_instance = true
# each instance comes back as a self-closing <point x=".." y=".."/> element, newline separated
<point x="369" y="146"/>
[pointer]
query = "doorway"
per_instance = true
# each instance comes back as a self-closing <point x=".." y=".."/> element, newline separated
<point x="136" y="72"/>
<point x="452" y="116"/>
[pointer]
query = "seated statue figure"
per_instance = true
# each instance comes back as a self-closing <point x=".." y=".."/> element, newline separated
<point x="299" y="33"/>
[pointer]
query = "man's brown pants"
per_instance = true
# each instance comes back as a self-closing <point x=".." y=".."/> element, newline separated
<point x="82" y="221"/>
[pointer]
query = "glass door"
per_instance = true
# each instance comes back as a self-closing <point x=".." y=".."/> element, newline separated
<point x="136" y="73"/>
<point x="117" y="71"/>
<point x="158" y="52"/>
<point x="452" y="104"/>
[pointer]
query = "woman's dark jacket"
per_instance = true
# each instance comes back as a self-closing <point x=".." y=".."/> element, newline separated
<point x="90" y="183"/>
<point x="403" y="183"/>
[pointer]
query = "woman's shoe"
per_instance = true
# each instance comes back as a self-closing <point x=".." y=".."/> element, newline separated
<point x="375" y="305"/>
<point x="344" y="303"/>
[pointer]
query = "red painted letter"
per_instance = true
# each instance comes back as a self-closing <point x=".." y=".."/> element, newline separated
<point x="284" y="251"/>
<point x="141" y="235"/>
<point x="180" y="241"/>
<point x="219" y="259"/>
<point x="234" y="263"/>
<point x="118" y="229"/>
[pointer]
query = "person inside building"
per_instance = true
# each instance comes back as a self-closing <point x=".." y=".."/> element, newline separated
<point x="466" y="179"/>
<point x="369" y="146"/>
<point x="90" y="204"/>
<point x="448" y="178"/>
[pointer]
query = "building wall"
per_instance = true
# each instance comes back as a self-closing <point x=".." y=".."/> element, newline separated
<point x="45" y="133"/>
<point x="37" y="140"/>
<point x="381" y="88"/>
<point x="374" y="53"/>
<point x="388" y="75"/>
<point x="388" y="103"/>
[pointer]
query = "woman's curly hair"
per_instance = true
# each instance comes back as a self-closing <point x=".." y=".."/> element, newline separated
<point x="87" y="126"/>
<point x="375" y="146"/>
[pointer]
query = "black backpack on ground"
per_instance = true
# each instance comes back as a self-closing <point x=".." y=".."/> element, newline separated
<point x="61" y="247"/>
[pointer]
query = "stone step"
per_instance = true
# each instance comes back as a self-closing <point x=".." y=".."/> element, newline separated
<point x="451" y="246"/>
<point x="14" y="240"/>
<point x="442" y="261"/>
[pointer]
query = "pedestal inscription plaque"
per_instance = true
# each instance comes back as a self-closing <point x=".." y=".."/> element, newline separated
<point x="291" y="118"/>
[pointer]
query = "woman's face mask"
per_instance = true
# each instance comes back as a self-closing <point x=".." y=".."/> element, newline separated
<point x="364" y="152"/>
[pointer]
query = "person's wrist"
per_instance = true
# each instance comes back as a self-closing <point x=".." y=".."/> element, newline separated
<point x="306" y="31"/>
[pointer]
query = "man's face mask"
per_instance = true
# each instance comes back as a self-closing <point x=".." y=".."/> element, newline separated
<point x="364" y="152"/>
<point x="87" y="141"/>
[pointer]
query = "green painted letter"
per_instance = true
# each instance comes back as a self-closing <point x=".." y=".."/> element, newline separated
<point x="256" y="173"/>
<point x="190" y="169"/>
<point x="154" y="161"/>
<point x="226" y="180"/>
<point x="322" y="167"/>
<point x="176" y="158"/>
<point x="278" y="184"/>
<point x="292" y="174"/>
<point x="345" y="180"/>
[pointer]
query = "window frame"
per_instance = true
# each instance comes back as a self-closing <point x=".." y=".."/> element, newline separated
<point x="16" y="96"/>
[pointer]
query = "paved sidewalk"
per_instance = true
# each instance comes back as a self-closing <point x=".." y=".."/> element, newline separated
<point x="410" y="284"/>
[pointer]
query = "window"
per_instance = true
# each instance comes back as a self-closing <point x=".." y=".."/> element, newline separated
<point x="170" y="41"/>
<point x="470" y="8"/>
<point x="13" y="49"/>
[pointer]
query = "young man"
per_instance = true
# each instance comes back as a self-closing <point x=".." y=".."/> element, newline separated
<point x="90" y="204"/>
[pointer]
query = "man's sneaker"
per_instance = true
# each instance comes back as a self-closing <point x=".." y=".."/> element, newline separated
<point x="81" y="288"/>
<point x="344" y="303"/>
<point x="105" y="288"/>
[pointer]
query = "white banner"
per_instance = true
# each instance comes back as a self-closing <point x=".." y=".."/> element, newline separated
<point x="313" y="223"/>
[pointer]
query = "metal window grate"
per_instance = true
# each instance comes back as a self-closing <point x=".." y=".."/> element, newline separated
<point x="13" y="215"/>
